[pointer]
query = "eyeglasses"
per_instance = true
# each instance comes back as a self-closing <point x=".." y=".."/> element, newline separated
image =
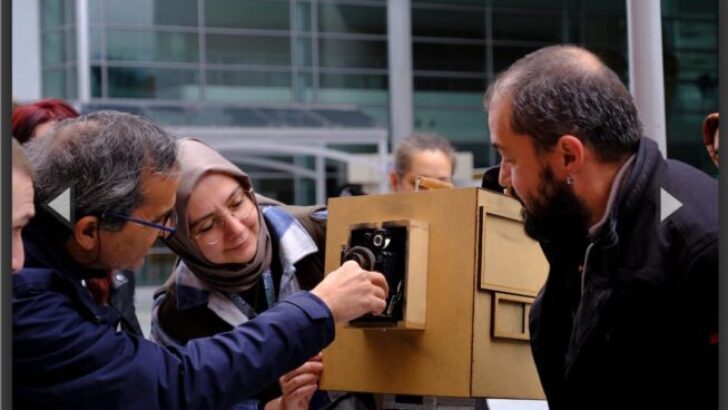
<point x="210" y="230"/>
<point x="166" y="229"/>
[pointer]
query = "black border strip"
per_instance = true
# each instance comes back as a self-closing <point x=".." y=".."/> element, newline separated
<point x="723" y="182"/>
<point x="6" y="343"/>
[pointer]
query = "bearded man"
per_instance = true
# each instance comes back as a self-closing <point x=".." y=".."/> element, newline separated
<point x="628" y="317"/>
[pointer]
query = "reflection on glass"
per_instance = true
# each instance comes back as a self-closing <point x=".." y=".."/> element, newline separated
<point x="605" y="29"/>
<point x="95" y="44"/>
<point x="153" y="83"/>
<point x="439" y="91"/>
<point x="352" y="53"/>
<point x="459" y="124"/>
<point x="250" y="14"/>
<point x="303" y="17"/>
<point x="152" y="12"/>
<point x="353" y="89"/>
<point x="54" y="83"/>
<point x="528" y="26"/>
<point x="231" y="49"/>
<point x="448" y="23"/>
<point x="342" y="18"/>
<point x="52" y="13"/>
<point x="446" y="57"/>
<point x="138" y="45"/>
<point x="504" y="56"/>
<point x="250" y="86"/>
<point x="72" y="82"/>
<point x="535" y="4"/>
<point x="54" y="47"/>
<point x="96" y="82"/>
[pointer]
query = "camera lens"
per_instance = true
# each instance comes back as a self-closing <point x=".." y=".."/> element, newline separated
<point x="378" y="240"/>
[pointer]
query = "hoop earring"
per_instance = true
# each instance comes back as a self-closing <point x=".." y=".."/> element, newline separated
<point x="569" y="181"/>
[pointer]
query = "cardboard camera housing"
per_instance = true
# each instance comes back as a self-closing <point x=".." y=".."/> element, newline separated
<point x="470" y="277"/>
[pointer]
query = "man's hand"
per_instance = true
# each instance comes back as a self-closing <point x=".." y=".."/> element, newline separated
<point x="350" y="292"/>
<point x="298" y="386"/>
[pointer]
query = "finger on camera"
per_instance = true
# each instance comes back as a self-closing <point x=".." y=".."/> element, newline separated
<point x="378" y="292"/>
<point x="308" y="367"/>
<point x="299" y="381"/>
<point x="378" y="306"/>
<point x="379" y="280"/>
<point x="351" y="265"/>
<point x="303" y="392"/>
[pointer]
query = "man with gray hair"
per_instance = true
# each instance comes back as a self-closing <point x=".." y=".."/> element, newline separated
<point x="68" y="349"/>
<point x="23" y="209"/>
<point x="427" y="155"/>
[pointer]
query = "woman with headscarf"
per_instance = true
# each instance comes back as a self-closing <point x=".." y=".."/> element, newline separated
<point x="239" y="253"/>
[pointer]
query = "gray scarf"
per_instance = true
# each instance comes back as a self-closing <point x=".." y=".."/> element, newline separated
<point x="197" y="159"/>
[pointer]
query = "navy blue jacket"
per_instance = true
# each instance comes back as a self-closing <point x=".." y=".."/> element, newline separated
<point x="631" y="321"/>
<point x="69" y="352"/>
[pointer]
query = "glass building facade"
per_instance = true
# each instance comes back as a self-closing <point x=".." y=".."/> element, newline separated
<point x="285" y="53"/>
<point x="335" y="52"/>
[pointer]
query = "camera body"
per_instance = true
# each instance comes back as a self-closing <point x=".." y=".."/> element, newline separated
<point x="383" y="250"/>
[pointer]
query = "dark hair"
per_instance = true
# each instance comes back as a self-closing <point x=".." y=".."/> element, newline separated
<point x="27" y="117"/>
<point x="104" y="156"/>
<point x="567" y="90"/>
<point x="417" y="143"/>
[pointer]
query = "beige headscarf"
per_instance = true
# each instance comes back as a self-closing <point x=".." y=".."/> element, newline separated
<point x="197" y="159"/>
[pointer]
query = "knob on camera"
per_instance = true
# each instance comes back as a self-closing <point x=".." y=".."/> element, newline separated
<point x="361" y="255"/>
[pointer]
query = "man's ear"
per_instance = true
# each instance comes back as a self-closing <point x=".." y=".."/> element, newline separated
<point x="85" y="232"/>
<point x="393" y="181"/>
<point x="571" y="153"/>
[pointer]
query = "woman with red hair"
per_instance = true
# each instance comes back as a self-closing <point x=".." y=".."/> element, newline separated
<point x="33" y="119"/>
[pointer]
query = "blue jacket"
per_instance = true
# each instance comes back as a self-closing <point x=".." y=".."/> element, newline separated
<point x="68" y="352"/>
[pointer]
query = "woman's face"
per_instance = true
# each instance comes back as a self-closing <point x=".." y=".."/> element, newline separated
<point x="223" y="220"/>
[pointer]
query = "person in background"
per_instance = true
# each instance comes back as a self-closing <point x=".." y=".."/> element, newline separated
<point x="427" y="155"/>
<point x="711" y="138"/>
<point x="31" y="120"/>
<point x="68" y="349"/>
<point x="628" y="316"/>
<point x="23" y="208"/>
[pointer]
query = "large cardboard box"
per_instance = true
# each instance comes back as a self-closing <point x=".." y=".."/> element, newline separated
<point x="476" y="288"/>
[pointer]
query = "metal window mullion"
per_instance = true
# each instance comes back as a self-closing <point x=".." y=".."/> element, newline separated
<point x="337" y="35"/>
<point x="155" y="64"/>
<point x="146" y="27"/>
<point x="353" y="71"/>
<point x="104" y="52"/>
<point x="296" y="92"/>
<point x="448" y="40"/>
<point x="582" y="23"/>
<point x="202" y="50"/>
<point x="321" y="177"/>
<point x="315" y="64"/>
<point x="565" y="25"/>
<point x="374" y="3"/>
<point x="83" y="51"/>
<point x="249" y="67"/>
<point x="489" y="61"/>
<point x="248" y="32"/>
<point x="450" y="74"/>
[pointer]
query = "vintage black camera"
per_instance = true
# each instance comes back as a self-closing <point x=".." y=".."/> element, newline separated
<point x="383" y="250"/>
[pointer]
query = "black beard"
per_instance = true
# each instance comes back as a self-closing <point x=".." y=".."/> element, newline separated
<point x="557" y="215"/>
